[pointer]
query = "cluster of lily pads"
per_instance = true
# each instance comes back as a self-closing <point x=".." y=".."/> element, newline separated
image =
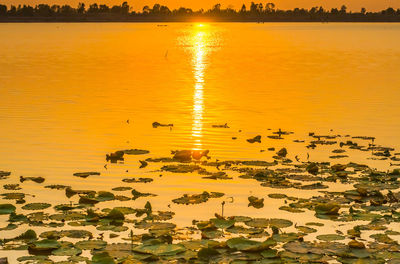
<point x="371" y="203"/>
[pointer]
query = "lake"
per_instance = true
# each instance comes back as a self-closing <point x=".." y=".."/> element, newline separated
<point x="73" y="92"/>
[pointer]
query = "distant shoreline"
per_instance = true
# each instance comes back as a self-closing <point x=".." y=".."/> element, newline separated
<point x="257" y="13"/>
<point x="177" y="20"/>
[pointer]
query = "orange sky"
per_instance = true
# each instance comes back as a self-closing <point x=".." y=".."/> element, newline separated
<point x="206" y="4"/>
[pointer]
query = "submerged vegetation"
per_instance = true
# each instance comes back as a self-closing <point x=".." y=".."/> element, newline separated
<point x="256" y="12"/>
<point x="357" y="224"/>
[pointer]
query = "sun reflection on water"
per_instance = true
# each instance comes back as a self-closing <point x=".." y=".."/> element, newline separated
<point x="199" y="65"/>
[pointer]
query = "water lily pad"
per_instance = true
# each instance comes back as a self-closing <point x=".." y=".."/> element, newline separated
<point x="312" y="168"/>
<point x="286" y="237"/>
<point x="181" y="168"/>
<point x="222" y="223"/>
<point x="36" y="206"/>
<point x="136" y="180"/>
<point x="291" y="209"/>
<point x="76" y="233"/>
<point x="43" y="246"/>
<point x="211" y="233"/>
<point x="160" y="249"/>
<point x="279" y="223"/>
<point x="13" y="196"/>
<point x="269" y="253"/>
<point x="105" y="196"/>
<point x="34" y="179"/>
<point x="57" y="186"/>
<point x="36" y="259"/>
<point x="314" y="224"/>
<point x="256" y="202"/>
<point x="136" y="151"/>
<point x="86" y="174"/>
<point x="4" y="174"/>
<point x="207" y="253"/>
<point x="66" y="249"/>
<point x="383" y="238"/>
<point x="277" y="196"/>
<point x="67" y="217"/>
<point x="7" y="209"/>
<point x="87" y="200"/>
<point x="306" y="229"/>
<point x="282" y="152"/>
<point x="102" y="258"/>
<point x="12" y="187"/>
<point x="243" y="244"/>
<point x="122" y="188"/>
<point x="330" y="237"/>
<point x="124" y="210"/>
<point x="9" y="227"/>
<point x="327" y="208"/>
<point x="136" y="194"/>
<point x="90" y="244"/>
<point x="115" y="214"/>
<point x="255" y="139"/>
<point x="193" y="199"/>
<point x="258" y="222"/>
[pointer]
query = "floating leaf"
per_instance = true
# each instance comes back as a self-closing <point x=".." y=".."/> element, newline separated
<point x="280" y="223"/>
<point x="136" y="180"/>
<point x="277" y="196"/>
<point x="136" y="151"/>
<point x="243" y="244"/>
<point x="34" y="179"/>
<point x="102" y="258"/>
<point x="43" y="246"/>
<point x="36" y="206"/>
<point x="122" y="188"/>
<point x="330" y="237"/>
<point x="86" y="174"/>
<point x="90" y="244"/>
<point x="7" y="209"/>
<point x="13" y="196"/>
<point x="207" y="253"/>
<point x="256" y="202"/>
<point x="160" y="249"/>
<point x="12" y="187"/>
<point x="222" y="223"/>
<point x="255" y="139"/>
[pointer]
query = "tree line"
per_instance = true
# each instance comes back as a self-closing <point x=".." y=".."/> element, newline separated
<point x="255" y="12"/>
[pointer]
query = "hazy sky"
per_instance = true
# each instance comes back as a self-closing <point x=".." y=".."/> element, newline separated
<point x="354" y="5"/>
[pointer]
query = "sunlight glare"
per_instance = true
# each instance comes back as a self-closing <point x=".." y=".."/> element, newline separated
<point x="199" y="51"/>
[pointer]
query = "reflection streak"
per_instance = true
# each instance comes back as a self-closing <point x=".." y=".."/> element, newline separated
<point x="199" y="52"/>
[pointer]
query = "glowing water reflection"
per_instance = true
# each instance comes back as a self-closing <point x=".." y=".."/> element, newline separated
<point x="199" y="52"/>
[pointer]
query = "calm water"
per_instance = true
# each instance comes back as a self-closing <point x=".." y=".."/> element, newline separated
<point x="67" y="91"/>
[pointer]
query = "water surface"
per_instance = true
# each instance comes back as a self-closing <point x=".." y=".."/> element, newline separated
<point x="67" y="91"/>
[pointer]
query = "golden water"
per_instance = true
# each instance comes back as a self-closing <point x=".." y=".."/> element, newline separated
<point x="67" y="91"/>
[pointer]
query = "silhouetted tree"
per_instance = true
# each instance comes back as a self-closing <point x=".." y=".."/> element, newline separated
<point x="253" y="8"/>
<point x="243" y="9"/>
<point x="104" y="9"/>
<point x="363" y="11"/>
<point x="43" y="10"/>
<point x="25" y="11"/>
<point x="146" y="9"/>
<point x="93" y="8"/>
<point x="343" y="9"/>
<point x="67" y="10"/>
<point x="3" y="10"/>
<point x="269" y="7"/>
<point x="12" y="11"/>
<point x="81" y="8"/>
